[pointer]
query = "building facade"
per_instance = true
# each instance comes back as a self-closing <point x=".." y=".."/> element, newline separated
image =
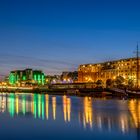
<point x="69" y="77"/>
<point x="27" y="76"/>
<point x="52" y="79"/>
<point x="127" y="68"/>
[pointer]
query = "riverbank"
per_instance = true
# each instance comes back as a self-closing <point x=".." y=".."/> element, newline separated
<point x="93" y="92"/>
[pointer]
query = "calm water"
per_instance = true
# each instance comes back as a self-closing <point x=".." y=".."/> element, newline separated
<point x="45" y="117"/>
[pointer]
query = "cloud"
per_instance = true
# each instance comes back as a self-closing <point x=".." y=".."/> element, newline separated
<point x="10" y="62"/>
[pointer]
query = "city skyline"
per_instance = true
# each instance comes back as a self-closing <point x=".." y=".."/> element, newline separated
<point x="57" y="36"/>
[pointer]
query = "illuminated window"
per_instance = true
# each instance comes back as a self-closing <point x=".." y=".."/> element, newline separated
<point x="12" y="78"/>
<point x="35" y="77"/>
<point x="24" y="78"/>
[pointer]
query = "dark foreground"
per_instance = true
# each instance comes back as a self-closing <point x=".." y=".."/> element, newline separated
<point x="47" y="117"/>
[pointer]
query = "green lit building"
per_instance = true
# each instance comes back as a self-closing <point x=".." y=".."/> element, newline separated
<point x="27" y="76"/>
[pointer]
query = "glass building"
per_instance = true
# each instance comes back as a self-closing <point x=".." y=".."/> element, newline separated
<point x="27" y="76"/>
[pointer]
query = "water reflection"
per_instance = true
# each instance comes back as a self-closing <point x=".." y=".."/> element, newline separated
<point x="88" y="112"/>
<point x="54" y="107"/>
<point x="47" y="106"/>
<point x="134" y="106"/>
<point x="67" y="108"/>
<point x="100" y="114"/>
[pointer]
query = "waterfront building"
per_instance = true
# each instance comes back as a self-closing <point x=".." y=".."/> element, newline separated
<point x="69" y="77"/>
<point x="52" y="79"/>
<point x="126" y="68"/>
<point x="27" y="76"/>
<point x="65" y="77"/>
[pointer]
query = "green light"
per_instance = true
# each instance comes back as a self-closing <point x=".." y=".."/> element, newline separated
<point x="11" y="104"/>
<point x="23" y="104"/>
<point x="39" y="77"/>
<point x="43" y="79"/>
<point x="24" y="78"/>
<point x="12" y="79"/>
<point x="35" y="105"/>
<point x="35" y="77"/>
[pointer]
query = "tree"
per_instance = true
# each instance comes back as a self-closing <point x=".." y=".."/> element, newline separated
<point x="130" y="83"/>
<point x="119" y="81"/>
<point x="99" y="83"/>
<point x="109" y="83"/>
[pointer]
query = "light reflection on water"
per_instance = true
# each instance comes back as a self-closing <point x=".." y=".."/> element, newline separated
<point x="121" y="117"/>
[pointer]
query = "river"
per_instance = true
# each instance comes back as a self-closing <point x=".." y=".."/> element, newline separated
<point x="34" y="116"/>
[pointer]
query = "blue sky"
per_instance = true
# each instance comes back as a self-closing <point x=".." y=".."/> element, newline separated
<point x="58" y="35"/>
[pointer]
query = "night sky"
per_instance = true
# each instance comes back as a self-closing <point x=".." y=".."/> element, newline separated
<point x="58" y="35"/>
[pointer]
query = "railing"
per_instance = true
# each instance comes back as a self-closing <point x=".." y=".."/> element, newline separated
<point x="118" y="90"/>
<point x="16" y="87"/>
